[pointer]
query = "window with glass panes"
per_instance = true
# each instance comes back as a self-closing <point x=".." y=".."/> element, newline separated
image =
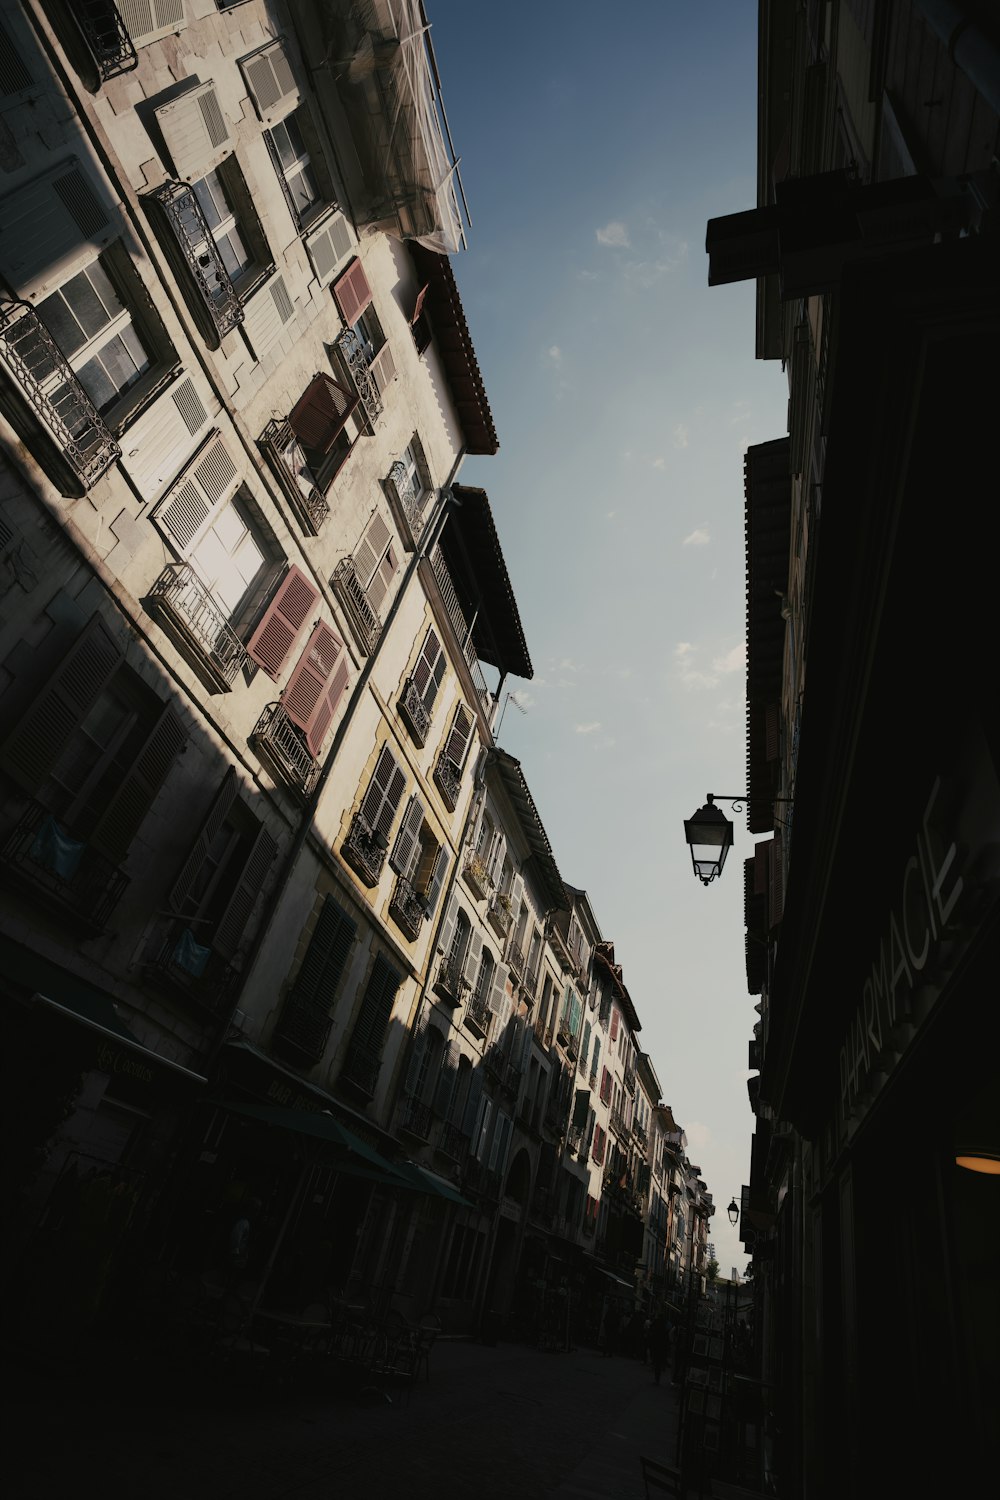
<point x="484" y="979"/>
<point x="220" y="216"/>
<point x="291" y="156"/>
<point x="94" y="329"/>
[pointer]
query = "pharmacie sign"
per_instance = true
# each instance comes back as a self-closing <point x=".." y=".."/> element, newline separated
<point x="913" y="931"/>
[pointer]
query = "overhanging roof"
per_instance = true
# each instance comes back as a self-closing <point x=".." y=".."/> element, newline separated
<point x="538" y="840"/>
<point x="443" y="305"/>
<point x="476" y="564"/>
<point x="768" y="493"/>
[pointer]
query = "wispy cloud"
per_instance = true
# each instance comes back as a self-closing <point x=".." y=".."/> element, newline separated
<point x="733" y="661"/>
<point x="659" y="462"/>
<point x="698" y="1134"/>
<point x="644" y="274"/>
<point x="695" y="675"/>
<point x="610" y="514"/>
<point x="700" y="537"/>
<point x="555" y="354"/>
<point x="680" y="436"/>
<point x="741" y="412"/>
<point x="614" y="234"/>
<point x="524" y="699"/>
<point x="590" y="728"/>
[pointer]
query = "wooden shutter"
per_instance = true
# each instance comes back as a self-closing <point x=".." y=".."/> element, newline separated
<point x="516" y="898"/>
<point x="53" y="227"/>
<point x="161" y="441"/>
<point x="272" y="641"/>
<point x="224" y="799"/>
<point x="761" y="867"/>
<point x="186" y="511"/>
<point x="266" y="315"/>
<point x="473" y="956"/>
<point x="326" y="957"/>
<point x="418" y="1051"/>
<point x="383" y="369"/>
<point x="381" y="579"/>
<point x="614" y="1024"/>
<point x="482" y="1130"/>
<point x="460" y="737"/>
<point x="376" y="1006"/>
<point x="447" y="1081"/>
<point x="352" y="293"/>
<point x="498" y="1145"/>
<point x="146" y="20"/>
<point x="321" y="412"/>
<point x="404" y="854"/>
<point x="526" y="1040"/>
<point x="446" y="932"/>
<point x="247" y="888"/>
<point x="498" y="991"/>
<point x="776" y="882"/>
<point x="772" y="731"/>
<point x="271" y="81"/>
<point x="427" y="661"/>
<point x="605" y="1086"/>
<point x="195" y="130"/>
<point x="497" y="853"/>
<point x="316" y="686"/>
<point x="35" y="744"/>
<point x="124" y="814"/>
<point x="470" y="1117"/>
<point x="378" y="807"/>
<point x="14" y="76"/>
<point x="371" y="549"/>
<point x="328" y="246"/>
<point x="433" y="892"/>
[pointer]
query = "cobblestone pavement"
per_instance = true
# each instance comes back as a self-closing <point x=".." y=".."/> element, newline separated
<point x="491" y="1422"/>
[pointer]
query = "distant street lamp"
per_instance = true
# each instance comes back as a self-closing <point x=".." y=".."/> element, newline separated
<point x="709" y="834"/>
<point x="733" y="1211"/>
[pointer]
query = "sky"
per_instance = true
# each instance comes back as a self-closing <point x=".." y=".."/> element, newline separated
<point x="595" y="144"/>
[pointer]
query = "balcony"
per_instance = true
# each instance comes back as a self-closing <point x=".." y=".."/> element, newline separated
<point x="288" y="462"/>
<point x="190" y="242"/>
<point x="407" y="908"/>
<point x="618" y="1122"/>
<point x="449" y="983"/>
<point x="106" y="36"/>
<point x="481" y="1180"/>
<point x="499" y="913"/>
<point x="354" y="353"/>
<point x="280" y="745"/>
<point x="364" y="850"/>
<point x="478" y="1017"/>
<point x="183" y="605"/>
<point x="460" y="626"/>
<point x="409" y="502"/>
<point x="516" y="962"/>
<point x="303" y="1030"/>
<point x="510" y="1079"/>
<point x="449" y="781"/>
<point x="640" y="1135"/>
<point x="365" y="623"/>
<point x="177" y="962"/>
<point x="454" y="1143"/>
<point x="630" y="1080"/>
<point x="414" y="1117"/>
<point x="55" y="395"/>
<point x="63" y="872"/>
<point x="574" y="1138"/>
<point x="415" y="712"/>
<point x="361" y="1068"/>
<point x="494" y="1060"/>
<point x="476" y="874"/>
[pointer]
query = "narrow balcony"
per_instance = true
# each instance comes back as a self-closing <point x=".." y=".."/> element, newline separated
<point x="178" y="963"/>
<point x="478" y="1017"/>
<point x="407" y="908"/>
<point x="618" y="1122"/>
<point x="640" y="1135"/>
<point x="189" y="243"/>
<point x="476" y="874"/>
<point x="449" y="781"/>
<point x="449" y="983"/>
<point x="364" y="849"/>
<point x="414" y="1117"/>
<point x="453" y="1143"/>
<point x="460" y="626"/>
<point x="41" y="856"/>
<point x="354" y="354"/>
<point x="574" y="1138"/>
<point x="494" y="1060"/>
<point x="184" y="606"/>
<point x="365" y="623"/>
<point x="499" y="913"/>
<point x="282" y="748"/>
<point x="54" y="394"/>
<point x="415" y="712"/>
<point x="409" y="502"/>
<point x="630" y="1080"/>
<point x="291" y="469"/>
<point x="107" y="37"/>
<point x="361" y="1068"/>
<point x="510" y="1079"/>
<point x="516" y="962"/>
<point x="302" y="1030"/>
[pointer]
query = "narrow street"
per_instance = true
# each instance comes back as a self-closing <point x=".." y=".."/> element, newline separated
<point x="505" y="1421"/>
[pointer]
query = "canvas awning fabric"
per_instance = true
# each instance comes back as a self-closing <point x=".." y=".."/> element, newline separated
<point x="313" y="1123"/>
<point x="426" y="1181"/>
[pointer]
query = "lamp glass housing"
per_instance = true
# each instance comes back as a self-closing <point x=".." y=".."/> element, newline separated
<point x="709" y="835"/>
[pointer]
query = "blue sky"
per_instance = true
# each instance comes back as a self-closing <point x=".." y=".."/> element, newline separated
<point x="596" y="142"/>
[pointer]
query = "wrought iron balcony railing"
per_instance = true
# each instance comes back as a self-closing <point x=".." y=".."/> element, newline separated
<point x="303" y="1028"/>
<point x="640" y="1135"/>
<point x="293" y="473"/>
<point x="179" y="963"/>
<point x="414" y="1117"/>
<point x="478" y="1016"/>
<point x="454" y="1142"/>
<point x="630" y="1080"/>
<point x="407" y="908"/>
<point x="494" y="1060"/>
<point x="510" y="1079"/>
<point x="476" y="873"/>
<point x="278" y="741"/>
<point x="364" y="850"/>
<point x="618" y="1121"/>
<point x="410" y="503"/>
<point x="183" y="216"/>
<point x="450" y="983"/>
<point x="415" y="712"/>
<point x="180" y="599"/>
<point x="355" y="356"/>
<point x="64" y="872"/>
<point x="361" y="1068"/>
<point x="460" y="625"/>
<point x="51" y="388"/>
<point x="449" y="781"/>
<point x="364" y="621"/>
<point x="107" y="37"/>
<point x="499" y="913"/>
<point x="516" y="962"/>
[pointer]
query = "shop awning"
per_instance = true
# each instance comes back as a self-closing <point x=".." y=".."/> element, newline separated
<point x="314" y="1123"/>
<point x="426" y="1181"/>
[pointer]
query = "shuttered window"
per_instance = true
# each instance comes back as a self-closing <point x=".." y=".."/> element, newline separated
<point x="271" y="82"/>
<point x="352" y="293"/>
<point x="614" y="1024"/>
<point x="316" y="686"/>
<point x="326" y="957"/>
<point x="605" y="1086"/>
<point x="185" y="513"/>
<point x="383" y="369"/>
<point x="161" y="441"/>
<point x="385" y="790"/>
<point x="267" y="315"/>
<point x="406" y="849"/>
<point x="431" y="892"/>
<point x="52" y="227"/>
<point x="14" y="76"/>
<point x="221" y="879"/>
<point x="430" y="669"/>
<point x="319" y="415"/>
<point x="137" y="789"/>
<point x="328" y="246"/>
<point x="147" y="20"/>
<point x="271" y="643"/>
<point x="196" y="132"/>
<point x="460" y="737"/>
<point x="376" y="1006"/>
<point x="498" y="990"/>
<point x="375" y="562"/>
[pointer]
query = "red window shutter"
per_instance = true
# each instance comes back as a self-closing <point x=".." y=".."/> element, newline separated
<point x="614" y="1024"/>
<point x="319" y="415"/>
<point x="458" y="740"/>
<point x="272" y="641"/>
<point x="247" y="889"/>
<point x="418" y="306"/>
<point x="124" y="814"/>
<point x="352" y="293"/>
<point x="32" y="749"/>
<point x="224" y="799"/>
<point x="327" y="707"/>
<point x="306" y="699"/>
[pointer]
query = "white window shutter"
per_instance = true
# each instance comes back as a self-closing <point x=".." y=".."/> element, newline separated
<point x="52" y="227"/>
<point x="516" y="897"/>
<point x="407" y="845"/>
<point x="157" y="446"/>
<point x="196" y="132"/>
<point x="147" y="20"/>
<point x="498" y="994"/>
<point x="188" y="508"/>
<point x="383" y="369"/>
<point x="329" y="246"/>
<point x="271" y="82"/>
<point x="267" y="314"/>
<point x="433" y="892"/>
<point x="381" y="580"/>
<point x="473" y="956"/>
<point x="370" y="550"/>
<point x="446" y="931"/>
